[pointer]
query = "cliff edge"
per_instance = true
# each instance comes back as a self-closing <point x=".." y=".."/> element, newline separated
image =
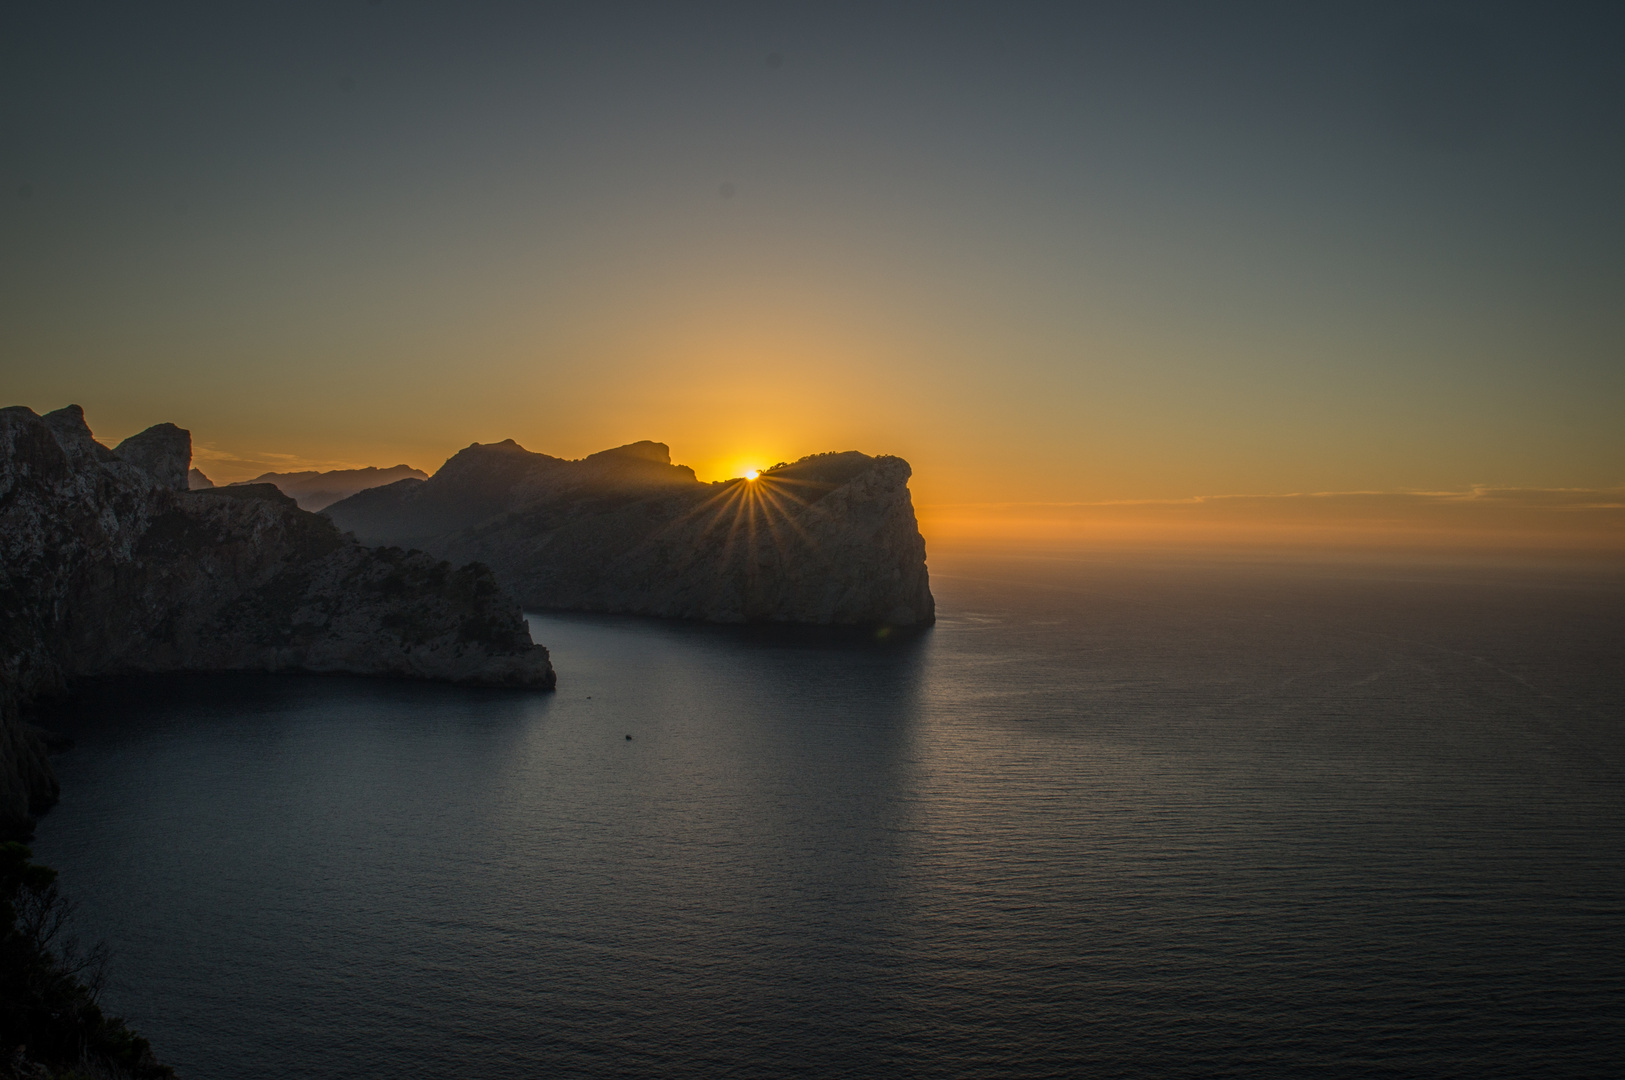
<point x="828" y="540"/>
<point x="110" y="565"/>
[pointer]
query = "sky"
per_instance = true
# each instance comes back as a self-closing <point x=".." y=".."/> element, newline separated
<point x="1050" y="253"/>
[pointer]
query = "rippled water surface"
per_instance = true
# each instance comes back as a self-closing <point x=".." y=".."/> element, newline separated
<point x="1105" y="819"/>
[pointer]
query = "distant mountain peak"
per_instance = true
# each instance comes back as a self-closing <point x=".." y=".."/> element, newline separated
<point x="506" y="446"/>
<point x="317" y="490"/>
<point x="643" y="450"/>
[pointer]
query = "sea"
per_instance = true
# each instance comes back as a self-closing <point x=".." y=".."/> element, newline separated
<point x="1115" y="815"/>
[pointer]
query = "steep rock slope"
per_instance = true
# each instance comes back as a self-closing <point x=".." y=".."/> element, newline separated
<point x="830" y="539"/>
<point x="108" y="565"/>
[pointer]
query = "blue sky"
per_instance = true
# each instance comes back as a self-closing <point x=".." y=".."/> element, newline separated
<point x="1044" y="251"/>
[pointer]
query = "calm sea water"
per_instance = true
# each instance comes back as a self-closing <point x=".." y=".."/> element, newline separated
<point x="1108" y="818"/>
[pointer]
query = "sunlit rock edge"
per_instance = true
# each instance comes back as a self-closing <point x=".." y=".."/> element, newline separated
<point x="831" y="539"/>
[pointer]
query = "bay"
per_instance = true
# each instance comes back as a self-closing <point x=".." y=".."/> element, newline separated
<point x="1112" y="816"/>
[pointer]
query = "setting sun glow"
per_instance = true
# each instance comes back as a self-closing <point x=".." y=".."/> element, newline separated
<point x="751" y="474"/>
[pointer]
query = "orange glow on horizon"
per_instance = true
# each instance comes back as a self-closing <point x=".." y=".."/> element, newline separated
<point x="1577" y="521"/>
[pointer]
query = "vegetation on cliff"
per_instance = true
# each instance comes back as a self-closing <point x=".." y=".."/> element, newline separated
<point x="51" y="1024"/>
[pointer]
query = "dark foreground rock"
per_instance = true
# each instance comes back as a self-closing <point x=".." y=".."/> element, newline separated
<point x="828" y="540"/>
<point x="110" y="566"/>
<point x="51" y="1022"/>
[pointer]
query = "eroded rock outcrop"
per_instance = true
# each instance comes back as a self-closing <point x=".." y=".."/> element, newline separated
<point x="110" y="565"/>
<point x="828" y="540"/>
<point x="163" y="452"/>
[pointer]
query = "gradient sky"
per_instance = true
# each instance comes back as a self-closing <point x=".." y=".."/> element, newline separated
<point x="1046" y="252"/>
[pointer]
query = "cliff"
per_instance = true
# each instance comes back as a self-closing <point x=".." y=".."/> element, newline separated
<point x="110" y="565"/>
<point x="828" y="540"/>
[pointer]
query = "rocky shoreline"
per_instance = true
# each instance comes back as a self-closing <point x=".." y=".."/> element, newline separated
<point x="112" y="566"/>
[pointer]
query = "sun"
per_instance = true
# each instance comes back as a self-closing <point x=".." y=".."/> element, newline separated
<point x="751" y="474"/>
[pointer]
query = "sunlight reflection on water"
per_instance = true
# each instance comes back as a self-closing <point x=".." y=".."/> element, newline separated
<point x="1106" y="818"/>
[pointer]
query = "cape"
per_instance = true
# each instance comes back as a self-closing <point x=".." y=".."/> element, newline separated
<point x="827" y="540"/>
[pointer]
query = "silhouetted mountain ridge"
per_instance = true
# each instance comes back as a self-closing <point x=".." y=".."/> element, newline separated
<point x="486" y="481"/>
<point x="315" y="490"/>
<point x="831" y="538"/>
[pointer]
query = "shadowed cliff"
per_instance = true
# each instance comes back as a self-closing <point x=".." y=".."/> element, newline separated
<point x="110" y="565"/>
<point x="828" y="540"/>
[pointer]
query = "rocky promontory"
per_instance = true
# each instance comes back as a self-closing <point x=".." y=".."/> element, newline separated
<point x="111" y="565"/>
<point x="828" y="540"/>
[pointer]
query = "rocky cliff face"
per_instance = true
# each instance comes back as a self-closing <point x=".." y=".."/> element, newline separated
<point x="828" y="540"/>
<point x="110" y="565"/>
